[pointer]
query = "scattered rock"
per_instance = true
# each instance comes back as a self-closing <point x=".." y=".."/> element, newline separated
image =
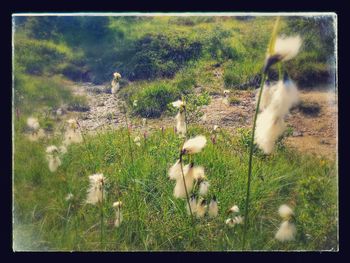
<point x="297" y="134"/>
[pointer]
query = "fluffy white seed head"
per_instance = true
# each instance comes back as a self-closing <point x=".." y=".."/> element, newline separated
<point x="54" y="163"/>
<point x="118" y="218"/>
<point x="180" y="123"/>
<point x="117" y="204"/>
<point x="204" y="188"/>
<point x="234" y="209"/>
<point x="284" y="97"/>
<point x="178" y="103"/>
<point x="238" y="220"/>
<point x="198" y="173"/>
<point x="266" y="96"/>
<point x="179" y="189"/>
<point x="51" y="149"/>
<point x="72" y="136"/>
<point x="72" y="123"/>
<point x="193" y="205"/>
<point x="115" y="86"/>
<point x="144" y="121"/>
<point x="268" y="130"/>
<point x="135" y="103"/>
<point x="226" y="92"/>
<point x="175" y="172"/>
<point x="285" y="212"/>
<point x="287" y="47"/>
<point x="215" y="127"/>
<point x="230" y="222"/>
<point x="286" y="232"/>
<point x="213" y="208"/>
<point x="96" y="192"/>
<point x="33" y="123"/>
<point x="194" y="145"/>
<point x="116" y="75"/>
<point x="201" y="208"/>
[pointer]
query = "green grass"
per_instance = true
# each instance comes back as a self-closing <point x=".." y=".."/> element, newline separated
<point x="153" y="218"/>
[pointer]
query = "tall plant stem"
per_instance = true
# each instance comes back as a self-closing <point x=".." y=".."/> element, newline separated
<point x="101" y="216"/>
<point x="187" y="196"/>
<point x="263" y="79"/>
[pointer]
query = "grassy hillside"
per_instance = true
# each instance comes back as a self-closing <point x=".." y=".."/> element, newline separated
<point x="161" y="59"/>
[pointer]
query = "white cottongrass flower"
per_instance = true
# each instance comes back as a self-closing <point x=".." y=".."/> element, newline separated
<point x="178" y="103"/>
<point x="287" y="48"/>
<point x="204" y="188"/>
<point x="266" y="95"/>
<point x="95" y="193"/>
<point x="135" y="103"/>
<point x="179" y="190"/>
<point x="194" y="145"/>
<point x="51" y="149"/>
<point x="198" y="173"/>
<point x="62" y="149"/>
<point x="215" y="127"/>
<point x="285" y="212"/>
<point x="268" y="129"/>
<point x="238" y="220"/>
<point x="117" y="75"/>
<point x="234" y="209"/>
<point x="117" y="204"/>
<point x="54" y="163"/>
<point x="284" y="97"/>
<point x="226" y="92"/>
<point x="286" y="232"/>
<point x="69" y="197"/>
<point x="115" y="87"/>
<point x="73" y="123"/>
<point x="72" y="136"/>
<point x="181" y="123"/>
<point x="144" y="121"/>
<point x="137" y="141"/>
<point x="270" y="122"/>
<point x="33" y="123"/>
<point x="59" y="112"/>
<point x="175" y="172"/>
<point x="213" y="208"/>
<point x="193" y="205"/>
<point x="201" y="208"/>
<point x="119" y="216"/>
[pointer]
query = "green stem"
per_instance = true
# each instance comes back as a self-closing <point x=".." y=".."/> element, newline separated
<point x="263" y="79"/>
<point x="101" y="207"/>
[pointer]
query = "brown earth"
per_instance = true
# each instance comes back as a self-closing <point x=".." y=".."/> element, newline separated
<point x="314" y="132"/>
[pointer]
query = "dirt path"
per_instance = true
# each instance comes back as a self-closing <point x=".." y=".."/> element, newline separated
<point x="313" y="132"/>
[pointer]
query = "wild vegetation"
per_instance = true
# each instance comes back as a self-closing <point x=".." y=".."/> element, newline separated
<point x="161" y="60"/>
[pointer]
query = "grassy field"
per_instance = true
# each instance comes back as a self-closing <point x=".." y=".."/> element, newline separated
<point x="161" y="59"/>
<point x="153" y="218"/>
